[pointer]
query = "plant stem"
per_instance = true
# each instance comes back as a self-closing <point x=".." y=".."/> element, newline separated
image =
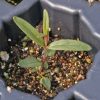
<point x="44" y="56"/>
<point x="46" y="40"/>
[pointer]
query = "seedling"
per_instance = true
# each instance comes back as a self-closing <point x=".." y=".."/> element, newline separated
<point x="42" y="39"/>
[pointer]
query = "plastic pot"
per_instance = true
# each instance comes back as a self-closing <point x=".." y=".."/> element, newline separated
<point x="76" y="19"/>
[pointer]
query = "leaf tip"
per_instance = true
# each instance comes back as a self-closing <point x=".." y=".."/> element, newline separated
<point x="44" y="10"/>
<point x="89" y="47"/>
<point x="14" y="18"/>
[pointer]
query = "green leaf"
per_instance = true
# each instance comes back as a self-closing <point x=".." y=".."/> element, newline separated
<point x="29" y="30"/>
<point x="42" y="35"/>
<point x="46" y="82"/>
<point x="68" y="44"/>
<point x="46" y="65"/>
<point x="26" y="39"/>
<point x="50" y="52"/>
<point x="45" y="22"/>
<point x="35" y="69"/>
<point x="30" y="62"/>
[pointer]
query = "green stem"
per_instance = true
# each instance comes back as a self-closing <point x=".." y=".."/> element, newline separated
<point x="44" y="57"/>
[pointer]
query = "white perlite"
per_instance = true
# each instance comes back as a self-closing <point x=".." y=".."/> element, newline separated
<point x="91" y="1"/>
<point x="9" y="89"/>
<point x="9" y="40"/>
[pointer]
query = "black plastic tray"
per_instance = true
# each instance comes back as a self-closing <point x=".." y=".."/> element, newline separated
<point x="76" y="19"/>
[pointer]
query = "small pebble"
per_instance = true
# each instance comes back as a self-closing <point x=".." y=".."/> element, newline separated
<point x="80" y="77"/>
<point x="11" y="52"/>
<point x="10" y="65"/>
<point x="9" y="40"/>
<point x="91" y="1"/>
<point x="26" y="48"/>
<point x="6" y="74"/>
<point x="33" y="42"/>
<point x="15" y="84"/>
<point x="49" y="29"/>
<point x="56" y="70"/>
<point x="3" y="66"/>
<point x="76" y="82"/>
<point x="15" y="3"/>
<point x="59" y="29"/>
<point x="4" y="55"/>
<point x="88" y="60"/>
<point x="9" y="89"/>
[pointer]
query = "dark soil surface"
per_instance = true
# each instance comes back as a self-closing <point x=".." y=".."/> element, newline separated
<point x="65" y="69"/>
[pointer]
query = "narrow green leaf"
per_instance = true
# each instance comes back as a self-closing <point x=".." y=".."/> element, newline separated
<point x="50" y="52"/>
<point x="45" y="22"/>
<point x="30" y="62"/>
<point x="26" y="39"/>
<point x="29" y="30"/>
<point x="46" y="82"/>
<point x="68" y="44"/>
